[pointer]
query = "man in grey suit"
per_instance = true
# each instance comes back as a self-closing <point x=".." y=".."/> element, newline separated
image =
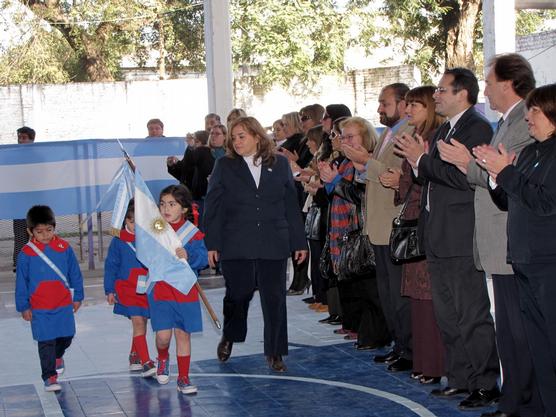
<point x="508" y="81"/>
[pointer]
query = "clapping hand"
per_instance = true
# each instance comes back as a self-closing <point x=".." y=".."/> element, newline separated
<point x="455" y="153"/>
<point x="410" y="148"/>
<point x="492" y="159"/>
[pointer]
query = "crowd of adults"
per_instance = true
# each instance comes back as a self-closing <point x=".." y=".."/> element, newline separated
<point x="485" y="204"/>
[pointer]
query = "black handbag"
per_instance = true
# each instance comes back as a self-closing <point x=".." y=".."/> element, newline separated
<point x="312" y="223"/>
<point x="357" y="257"/>
<point x="325" y="263"/>
<point x="404" y="239"/>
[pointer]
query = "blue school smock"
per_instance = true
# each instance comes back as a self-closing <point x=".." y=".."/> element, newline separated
<point x="40" y="289"/>
<point x="171" y="308"/>
<point x="121" y="271"/>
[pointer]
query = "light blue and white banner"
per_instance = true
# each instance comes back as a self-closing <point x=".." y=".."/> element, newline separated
<point x="156" y="243"/>
<point x="72" y="176"/>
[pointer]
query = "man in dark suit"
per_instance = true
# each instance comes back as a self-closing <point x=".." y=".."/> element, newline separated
<point x="459" y="291"/>
<point x="508" y="81"/>
<point x="252" y="224"/>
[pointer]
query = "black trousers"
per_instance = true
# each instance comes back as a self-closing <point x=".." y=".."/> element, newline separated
<point x="21" y="237"/>
<point x="462" y="309"/>
<point x="241" y="278"/>
<point x="49" y="351"/>
<point x="319" y="285"/>
<point x="396" y="309"/>
<point x="537" y="294"/>
<point x="520" y="393"/>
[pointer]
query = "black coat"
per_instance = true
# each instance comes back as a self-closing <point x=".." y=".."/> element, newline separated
<point x="449" y="226"/>
<point x="242" y="221"/>
<point x="528" y="191"/>
<point x="194" y="169"/>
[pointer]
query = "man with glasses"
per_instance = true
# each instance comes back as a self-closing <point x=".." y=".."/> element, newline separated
<point x="380" y="212"/>
<point x="459" y="291"/>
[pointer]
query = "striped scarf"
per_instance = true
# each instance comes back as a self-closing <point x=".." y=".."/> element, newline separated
<point x="343" y="215"/>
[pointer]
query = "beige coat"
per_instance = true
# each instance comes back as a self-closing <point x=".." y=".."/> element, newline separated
<point x="379" y="200"/>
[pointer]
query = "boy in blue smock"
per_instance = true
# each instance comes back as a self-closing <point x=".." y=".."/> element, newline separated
<point x="46" y="270"/>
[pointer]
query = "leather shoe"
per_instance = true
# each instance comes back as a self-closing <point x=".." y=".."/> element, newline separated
<point x="480" y="398"/>
<point x="276" y="363"/>
<point x="336" y="321"/>
<point x="400" y="365"/>
<point x="429" y="379"/>
<point x="497" y="413"/>
<point x="447" y="392"/>
<point x="387" y="358"/>
<point x="309" y="300"/>
<point x="224" y="349"/>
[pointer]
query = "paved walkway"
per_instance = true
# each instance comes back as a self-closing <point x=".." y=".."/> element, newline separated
<point x="326" y="376"/>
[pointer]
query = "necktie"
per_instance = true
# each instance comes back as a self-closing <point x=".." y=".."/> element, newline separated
<point x="499" y="125"/>
<point x="386" y="140"/>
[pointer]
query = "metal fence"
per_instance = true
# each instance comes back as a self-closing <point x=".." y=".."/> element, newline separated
<point x="89" y="238"/>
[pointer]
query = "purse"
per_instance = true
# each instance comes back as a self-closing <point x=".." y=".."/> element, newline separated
<point x="357" y="257"/>
<point x="404" y="239"/>
<point x="312" y="223"/>
<point x="325" y="262"/>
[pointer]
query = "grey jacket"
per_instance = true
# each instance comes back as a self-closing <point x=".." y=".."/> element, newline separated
<point x="491" y="241"/>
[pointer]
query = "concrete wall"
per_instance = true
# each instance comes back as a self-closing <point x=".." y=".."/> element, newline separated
<point x="540" y="49"/>
<point x="121" y="109"/>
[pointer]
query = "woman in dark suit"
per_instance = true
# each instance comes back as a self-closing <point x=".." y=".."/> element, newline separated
<point x="253" y="223"/>
<point x="527" y="190"/>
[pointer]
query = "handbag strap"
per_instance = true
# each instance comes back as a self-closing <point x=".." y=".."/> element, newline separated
<point x="47" y="260"/>
<point x="406" y="201"/>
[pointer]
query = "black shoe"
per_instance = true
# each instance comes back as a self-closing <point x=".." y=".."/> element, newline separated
<point x="480" y="398"/>
<point x="370" y="346"/>
<point x="224" y="349"/>
<point x="401" y="365"/>
<point x="448" y="392"/>
<point x="387" y="358"/>
<point x="416" y="375"/>
<point x="309" y="300"/>
<point x="497" y="413"/>
<point x="276" y="363"/>
<point x="337" y="320"/>
<point x="429" y="379"/>
<point x="326" y="320"/>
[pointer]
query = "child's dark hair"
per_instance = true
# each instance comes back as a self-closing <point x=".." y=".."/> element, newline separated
<point x="183" y="196"/>
<point x="130" y="212"/>
<point x="40" y="215"/>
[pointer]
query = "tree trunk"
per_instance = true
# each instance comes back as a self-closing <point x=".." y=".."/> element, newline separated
<point x="460" y="27"/>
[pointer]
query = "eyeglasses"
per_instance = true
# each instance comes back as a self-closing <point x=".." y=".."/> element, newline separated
<point x="334" y="135"/>
<point x="304" y="118"/>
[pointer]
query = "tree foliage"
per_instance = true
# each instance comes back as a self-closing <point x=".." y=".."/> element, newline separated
<point x="533" y="21"/>
<point x="432" y="33"/>
<point x="283" y="41"/>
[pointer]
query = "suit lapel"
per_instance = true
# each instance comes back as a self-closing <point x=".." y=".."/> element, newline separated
<point x="243" y="172"/>
<point x="517" y="113"/>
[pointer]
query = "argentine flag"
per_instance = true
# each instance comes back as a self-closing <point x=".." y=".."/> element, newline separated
<point x="156" y="243"/>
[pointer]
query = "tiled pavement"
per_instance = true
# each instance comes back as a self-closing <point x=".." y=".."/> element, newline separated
<point x="326" y="376"/>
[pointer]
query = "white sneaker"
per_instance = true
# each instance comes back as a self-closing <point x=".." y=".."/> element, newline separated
<point x="186" y="387"/>
<point x="163" y="371"/>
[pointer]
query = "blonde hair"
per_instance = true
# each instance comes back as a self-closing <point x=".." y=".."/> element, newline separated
<point x="366" y="130"/>
<point x="294" y="121"/>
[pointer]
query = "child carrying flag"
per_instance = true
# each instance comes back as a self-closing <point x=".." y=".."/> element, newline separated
<point x="121" y="273"/>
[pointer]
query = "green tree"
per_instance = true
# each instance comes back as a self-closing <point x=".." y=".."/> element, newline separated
<point x="433" y="33"/>
<point x="280" y="42"/>
<point x="532" y="21"/>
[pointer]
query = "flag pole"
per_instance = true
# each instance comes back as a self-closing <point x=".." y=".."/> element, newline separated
<point x="206" y="303"/>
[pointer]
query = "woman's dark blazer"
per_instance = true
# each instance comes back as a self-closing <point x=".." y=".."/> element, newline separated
<point x="242" y="221"/>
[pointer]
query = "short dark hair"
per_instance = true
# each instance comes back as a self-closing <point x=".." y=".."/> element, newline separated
<point x="25" y="130"/>
<point x="40" y="215"/>
<point x="544" y="97"/>
<point x="314" y="111"/>
<point x="130" y="212"/>
<point x="212" y="116"/>
<point x="202" y="136"/>
<point x="183" y="196"/>
<point x="155" y="122"/>
<point x="464" y="79"/>
<point x="399" y="89"/>
<point x="514" y="68"/>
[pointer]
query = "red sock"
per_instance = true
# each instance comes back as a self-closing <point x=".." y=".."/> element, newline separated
<point x="183" y="366"/>
<point x="140" y="344"/>
<point x="162" y="353"/>
<point x="132" y="346"/>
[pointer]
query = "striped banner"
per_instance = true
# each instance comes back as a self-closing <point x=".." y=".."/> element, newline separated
<point x="72" y="176"/>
